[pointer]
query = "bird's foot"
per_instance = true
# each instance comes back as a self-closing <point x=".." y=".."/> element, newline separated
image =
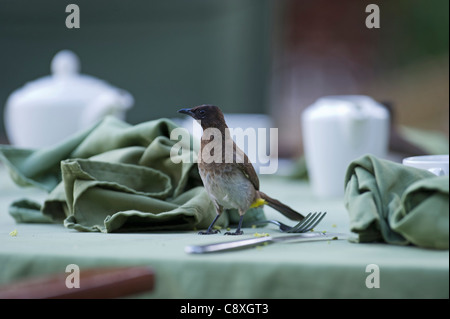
<point x="240" y="232"/>
<point x="209" y="232"/>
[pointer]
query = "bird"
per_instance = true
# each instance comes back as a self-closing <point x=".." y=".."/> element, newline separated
<point x="231" y="182"/>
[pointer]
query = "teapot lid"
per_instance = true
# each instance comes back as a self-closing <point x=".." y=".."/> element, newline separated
<point x="64" y="85"/>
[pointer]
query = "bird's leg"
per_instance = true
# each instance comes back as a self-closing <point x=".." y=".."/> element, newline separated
<point x="238" y="230"/>
<point x="210" y="228"/>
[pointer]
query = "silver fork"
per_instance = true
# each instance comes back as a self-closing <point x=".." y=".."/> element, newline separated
<point x="311" y="220"/>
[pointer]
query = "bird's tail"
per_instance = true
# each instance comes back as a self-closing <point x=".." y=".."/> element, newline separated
<point x="285" y="210"/>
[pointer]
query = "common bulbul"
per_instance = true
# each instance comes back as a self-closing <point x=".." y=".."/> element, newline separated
<point x="230" y="181"/>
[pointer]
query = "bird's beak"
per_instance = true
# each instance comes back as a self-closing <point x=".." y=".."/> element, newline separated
<point x="187" y="111"/>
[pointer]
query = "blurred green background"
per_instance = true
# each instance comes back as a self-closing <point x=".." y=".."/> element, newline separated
<point x="168" y="54"/>
<point x="250" y="56"/>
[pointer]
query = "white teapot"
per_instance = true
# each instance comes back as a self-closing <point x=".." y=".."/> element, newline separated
<point x="337" y="130"/>
<point x="48" y="110"/>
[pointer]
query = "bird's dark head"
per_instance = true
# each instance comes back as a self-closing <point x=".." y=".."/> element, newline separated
<point x="208" y="115"/>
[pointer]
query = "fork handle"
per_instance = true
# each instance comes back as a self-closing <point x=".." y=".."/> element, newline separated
<point x="264" y="222"/>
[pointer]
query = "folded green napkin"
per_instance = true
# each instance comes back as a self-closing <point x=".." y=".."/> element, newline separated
<point x="397" y="204"/>
<point x="115" y="177"/>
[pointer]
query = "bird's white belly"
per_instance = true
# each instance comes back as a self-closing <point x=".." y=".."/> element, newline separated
<point x="231" y="190"/>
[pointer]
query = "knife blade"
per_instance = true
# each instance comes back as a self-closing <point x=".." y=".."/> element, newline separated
<point x="252" y="242"/>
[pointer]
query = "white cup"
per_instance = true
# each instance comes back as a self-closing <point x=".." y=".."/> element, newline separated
<point x="436" y="164"/>
<point x="337" y="130"/>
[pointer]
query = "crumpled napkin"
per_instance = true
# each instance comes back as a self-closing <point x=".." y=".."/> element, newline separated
<point x="397" y="204"/>
<point x="115" y="177"/>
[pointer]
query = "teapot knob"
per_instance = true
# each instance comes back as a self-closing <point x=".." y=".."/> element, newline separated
<point x="65" y="62"/>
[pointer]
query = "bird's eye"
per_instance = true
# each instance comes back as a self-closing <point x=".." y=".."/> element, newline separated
<point x="202" y="112"/>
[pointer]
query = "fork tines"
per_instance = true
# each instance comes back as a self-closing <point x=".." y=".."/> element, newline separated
<point x="311" y="220"/>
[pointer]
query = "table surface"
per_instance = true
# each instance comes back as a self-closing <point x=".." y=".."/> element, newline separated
<point x="325" y="269"/>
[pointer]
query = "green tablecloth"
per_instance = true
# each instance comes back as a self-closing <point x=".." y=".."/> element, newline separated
<point x="335" y="269"/>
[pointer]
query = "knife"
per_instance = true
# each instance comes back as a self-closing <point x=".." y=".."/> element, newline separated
<point x="252" y="242"/>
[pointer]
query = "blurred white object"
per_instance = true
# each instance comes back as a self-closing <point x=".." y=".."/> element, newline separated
<point x="436" y="164"/>
<point x="337" y="130"/>
<point x="49" y="109"/>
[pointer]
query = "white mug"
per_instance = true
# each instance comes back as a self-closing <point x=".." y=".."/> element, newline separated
<point x="337" y="130"/>
<point x="436" y="164"/>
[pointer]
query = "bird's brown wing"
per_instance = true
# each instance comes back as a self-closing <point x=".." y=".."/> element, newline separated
<point x="249" y="171"/>
<point x="243" y="163"/>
